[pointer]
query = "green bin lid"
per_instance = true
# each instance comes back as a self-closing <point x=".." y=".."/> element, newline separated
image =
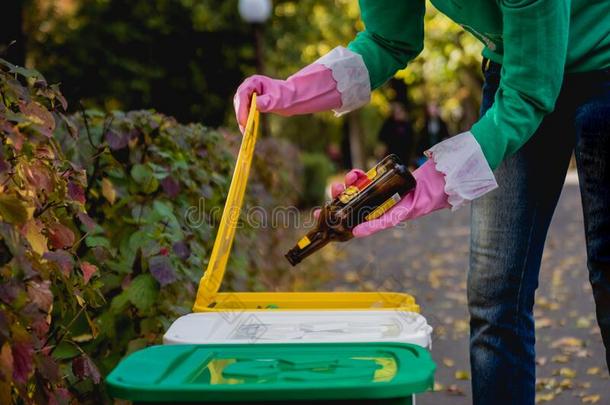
<point x="269" y="372"/>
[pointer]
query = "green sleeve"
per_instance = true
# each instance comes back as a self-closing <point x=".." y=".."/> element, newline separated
<point x="535" y="37"/>
<point x="393" y="36"/>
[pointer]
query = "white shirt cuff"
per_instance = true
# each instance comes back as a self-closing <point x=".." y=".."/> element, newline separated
<point x="467" y="173"/>
<point x="352" y="77"/>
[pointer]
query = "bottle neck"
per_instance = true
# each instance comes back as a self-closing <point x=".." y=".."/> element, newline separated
<point x="309" y="244"/>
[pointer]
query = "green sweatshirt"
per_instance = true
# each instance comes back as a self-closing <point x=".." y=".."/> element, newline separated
<point x="535" y="40"/>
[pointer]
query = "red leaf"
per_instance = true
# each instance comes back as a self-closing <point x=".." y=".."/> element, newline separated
<point x="40" y="294"/>
<point x="40" y="326"/>
<point x="76" y="192"/>
<point x="161" y="269"/>
<point x="49" y="369"/>
<point x="63" y="259"/>
<point x="22" y="361"/>
<point x="170" y="186"/>
<point x="6" y="362"/>
<point x="83" y="367"/>
<point x="9" y="291"/>
<point x="40" y="116"/>
<point x="61" y="236"/>
<point x="86" y="220"/>
<point x="182" y="249"/>
<point x="88" y="270"/>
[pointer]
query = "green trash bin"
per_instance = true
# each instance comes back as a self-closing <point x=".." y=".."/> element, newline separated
<point x="330" y="373"/>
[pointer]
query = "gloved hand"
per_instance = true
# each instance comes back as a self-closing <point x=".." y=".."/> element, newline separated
<point x="312" y="89"/>
<point x="428" y="196"/>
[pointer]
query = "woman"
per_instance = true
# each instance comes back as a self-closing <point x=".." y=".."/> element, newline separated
<point x="546" y="93"/>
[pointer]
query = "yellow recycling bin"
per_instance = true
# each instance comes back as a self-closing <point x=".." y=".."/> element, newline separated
<point x="209" y="299"/>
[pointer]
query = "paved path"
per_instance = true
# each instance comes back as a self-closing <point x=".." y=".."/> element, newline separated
<point x="429" y="260"/>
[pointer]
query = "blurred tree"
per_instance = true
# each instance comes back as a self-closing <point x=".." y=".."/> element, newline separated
<point x="181" y="57"/>
<point x="12" y="43"/>
<point x="186" y="57"/>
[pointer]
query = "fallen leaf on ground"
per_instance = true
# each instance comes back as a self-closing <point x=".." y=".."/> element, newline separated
<point x="548" y="397"/>
<point x="593" y="370"/>
<point x="590" y="399"/>
<point x="567" y="342"/>
<point x="455" y="390"/>
<point x="566" y="372"/>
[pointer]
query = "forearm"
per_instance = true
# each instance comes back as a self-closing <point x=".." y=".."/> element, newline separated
<point x="535" y="42"/>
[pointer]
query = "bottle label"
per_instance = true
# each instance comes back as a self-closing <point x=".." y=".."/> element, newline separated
<point x="383" y="208"/>
<point x="353" y="190"/>
<point x="303" y="242"/>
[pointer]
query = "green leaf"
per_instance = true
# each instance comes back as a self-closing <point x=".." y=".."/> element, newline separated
<point x="142" y="174"/>
<point x="65" y="350"/>
<point x="143" y="291"/>
<point x="13" y="210"/>
<point x="163" y="209"/>
<point x="93" y="241"/>
<point x="119" y="303"/>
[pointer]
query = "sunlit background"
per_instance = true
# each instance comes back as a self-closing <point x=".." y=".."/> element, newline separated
<point x="185" y="58"/>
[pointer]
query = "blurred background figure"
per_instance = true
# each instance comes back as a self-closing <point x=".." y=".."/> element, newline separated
<point x="397" y="133"/>
<point x="434" y="131"/>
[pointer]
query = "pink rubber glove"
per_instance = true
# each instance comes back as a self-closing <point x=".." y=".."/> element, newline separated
<point x="428" y="196"/>
<point x="312" y="89"/>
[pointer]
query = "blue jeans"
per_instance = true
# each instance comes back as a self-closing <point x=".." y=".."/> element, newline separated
<point x="509" y="227"/>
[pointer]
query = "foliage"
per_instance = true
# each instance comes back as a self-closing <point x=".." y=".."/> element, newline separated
<point x="45" y="287"/>
<point x="157" y="188"/>
<point x="318" y="168"/>
<point x="123" y="54"/>
<point x="132" y="54"/>
<point x="106" y="223"/>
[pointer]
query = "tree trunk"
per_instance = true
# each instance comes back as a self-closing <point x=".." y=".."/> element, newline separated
<point x="355" y="138"/>
<point x="12" y="39"/>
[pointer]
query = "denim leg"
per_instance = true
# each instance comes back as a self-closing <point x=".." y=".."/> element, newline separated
<point x="593" y="160"/>
<point x="509" y="227"/>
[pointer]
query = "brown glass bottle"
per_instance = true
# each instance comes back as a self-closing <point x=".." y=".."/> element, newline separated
<point x="364" y="200"/>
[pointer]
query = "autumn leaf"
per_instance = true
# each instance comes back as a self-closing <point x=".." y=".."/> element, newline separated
<point x="39" y="116"/>
<point x="63" y="259"/>
<point x="116" y="140"/>
<point x="13" y="210"/>
<point x="567" y="342"/>
<point x="181" y="250"/>
<point x="108" y="191"/>
<point x="462" y="375"/>
<point x="87" y="221"/>
<point x="593" y="371"/>
<point x="22" y="361"/>
<point x="591" y="399"/>
<point x="170" y="186"/>
<point x="40" y="294"/>
<point x="60" y="236"/>
<point x="448" y="362"/>
<point x="547" y="397"/>
<point x="88" y="270"/>
<point x="6" y="361"/>
<point x="83" y="368"/>
<point x="567" y="372"/>
<point x="453" y="389"/>
<point x="32" y="231"/>
<point x="76" y="192"/>
<point x="38" y="176"/>
<point x="162" y="270"/>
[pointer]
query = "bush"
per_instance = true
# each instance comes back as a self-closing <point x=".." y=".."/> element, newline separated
<point x="318" y="168"/>
<point x="45" y="288"/>
<point x="106" y="225"/>
<point x="156" y="187"/>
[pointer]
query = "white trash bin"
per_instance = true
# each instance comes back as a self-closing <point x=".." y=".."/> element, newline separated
<point x="300" y="326"/>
